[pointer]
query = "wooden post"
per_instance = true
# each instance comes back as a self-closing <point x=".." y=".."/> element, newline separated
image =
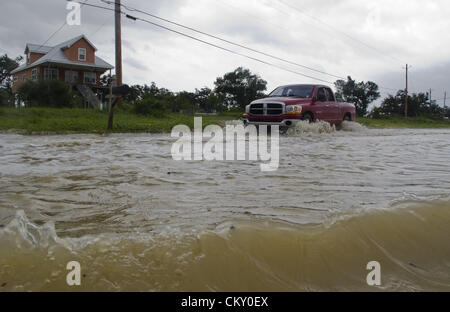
<point x="111" y="105"/>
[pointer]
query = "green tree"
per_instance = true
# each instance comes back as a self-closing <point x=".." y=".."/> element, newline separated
<point x="7" y="65"/>
<point x="214" y="102"/>
<point x="137" y="93"/>
<point x="5" y="97"/>
<point x="47" y="93"/>
<point x="185" y="102"/>
<point x="240" y="87"/>
<point x="201" y="98"/>
<point x="207" y="100"/>
<point x="359" y="93"/>
<point x="418" y="105"/>
<point x="150" y="106"/>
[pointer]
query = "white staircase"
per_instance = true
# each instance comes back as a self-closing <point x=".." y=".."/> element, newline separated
<point x="89" y="96"/>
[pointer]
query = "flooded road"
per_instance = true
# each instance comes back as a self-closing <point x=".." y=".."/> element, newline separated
<point x="136" y="219"/>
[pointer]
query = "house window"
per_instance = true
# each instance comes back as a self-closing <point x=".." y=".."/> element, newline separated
<point x="16" y="78"/>
<point x="34" y="74"/>
<point x="50" y="73"/>
<point x="71" y="76"/>
<point x="24" y="78"/>
<point x="81" y="54"/>
<point x="90" y="78"/>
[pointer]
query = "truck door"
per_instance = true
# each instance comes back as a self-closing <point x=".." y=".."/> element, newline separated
<point x="320" y="106"/>
<point x="333" y="107"/>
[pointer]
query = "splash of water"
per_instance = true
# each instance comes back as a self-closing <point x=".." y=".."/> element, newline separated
<point x="25" y="234"/>
<point x="303" y="127"/>
<point x="352" y="126"/>
<point x="408" y="239"/>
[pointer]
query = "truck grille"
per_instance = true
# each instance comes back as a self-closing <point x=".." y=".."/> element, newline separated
<point x="267" y="109"/>
<point x="257" y="109"/>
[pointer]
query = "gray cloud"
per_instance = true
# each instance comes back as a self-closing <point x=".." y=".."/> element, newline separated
<point x="410" y="31"/>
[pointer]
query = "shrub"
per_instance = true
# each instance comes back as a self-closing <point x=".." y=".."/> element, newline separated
<point x="5" y="97"/>
<point x="150" y="105"/>
<point x="47" y="93"/>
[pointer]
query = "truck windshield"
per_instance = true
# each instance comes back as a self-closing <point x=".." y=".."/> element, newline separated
<point x="299" y="91"/>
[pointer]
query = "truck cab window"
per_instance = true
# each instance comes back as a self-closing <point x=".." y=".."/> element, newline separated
<point x="321" y="96"/>
<point x="330" y="95"/>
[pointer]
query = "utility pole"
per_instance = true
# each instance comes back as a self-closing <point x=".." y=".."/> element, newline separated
<point x="118" y="17"/>
<point x="118" y="77"/>
<point x="406" y="93"/>
<point x="445" y="99"/>
<point x="430" y="96"/>
<point x="118" y="28"/>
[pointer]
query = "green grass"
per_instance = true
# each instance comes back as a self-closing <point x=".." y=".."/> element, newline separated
<point x="401" y="122"/>
<point x="72" y="120"/>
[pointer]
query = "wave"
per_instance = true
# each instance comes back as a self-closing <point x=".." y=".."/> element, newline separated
<point x="302" y="128"/>
<point x="409" y="240"/>
<point x="352" y="126"/>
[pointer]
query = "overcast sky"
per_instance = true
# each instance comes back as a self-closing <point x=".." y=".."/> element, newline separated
<point x="315" y="33"/>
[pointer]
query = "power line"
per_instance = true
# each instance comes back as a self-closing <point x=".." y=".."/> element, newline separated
<point x="210" y="44"/>
<point x="59" y="29"/>
<point x="223" y="40"/>
<point x="230" y="42"/>
<point x="52" y="35"/>
<point x="339" y="31"/>
<point x="95" y="32"/>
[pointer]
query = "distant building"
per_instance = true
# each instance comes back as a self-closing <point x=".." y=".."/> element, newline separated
<point x="73" y="62"/>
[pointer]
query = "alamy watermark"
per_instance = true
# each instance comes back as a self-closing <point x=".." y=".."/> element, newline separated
<point x="374" y="276"/>
<point x="231" y="145"/>
<point x="73" y="18"/>
<point x="73" y="278"/>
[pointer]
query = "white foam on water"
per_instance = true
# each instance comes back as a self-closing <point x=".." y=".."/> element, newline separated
<point x="304" y="127"/>
<point x="352" y="126"/>
<point x="234" y="122"/>
<point x="23" y="233"/>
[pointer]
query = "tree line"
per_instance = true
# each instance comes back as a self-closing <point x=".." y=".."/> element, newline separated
<point x="232" y="91"/>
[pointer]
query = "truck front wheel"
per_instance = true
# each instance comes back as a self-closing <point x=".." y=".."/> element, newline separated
<point x="308" y="117"/>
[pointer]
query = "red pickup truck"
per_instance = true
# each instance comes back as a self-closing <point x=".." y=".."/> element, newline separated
<point x="289" y="104"/>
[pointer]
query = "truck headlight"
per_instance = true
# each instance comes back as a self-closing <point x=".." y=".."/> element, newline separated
<point x="293" y="109"/>
<point x="247" y="109"/>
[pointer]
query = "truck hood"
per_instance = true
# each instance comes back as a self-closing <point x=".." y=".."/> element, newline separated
<point x="285" y="100"/>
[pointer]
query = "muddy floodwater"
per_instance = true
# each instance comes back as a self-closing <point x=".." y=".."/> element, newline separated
<point x="135" y="219"/>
